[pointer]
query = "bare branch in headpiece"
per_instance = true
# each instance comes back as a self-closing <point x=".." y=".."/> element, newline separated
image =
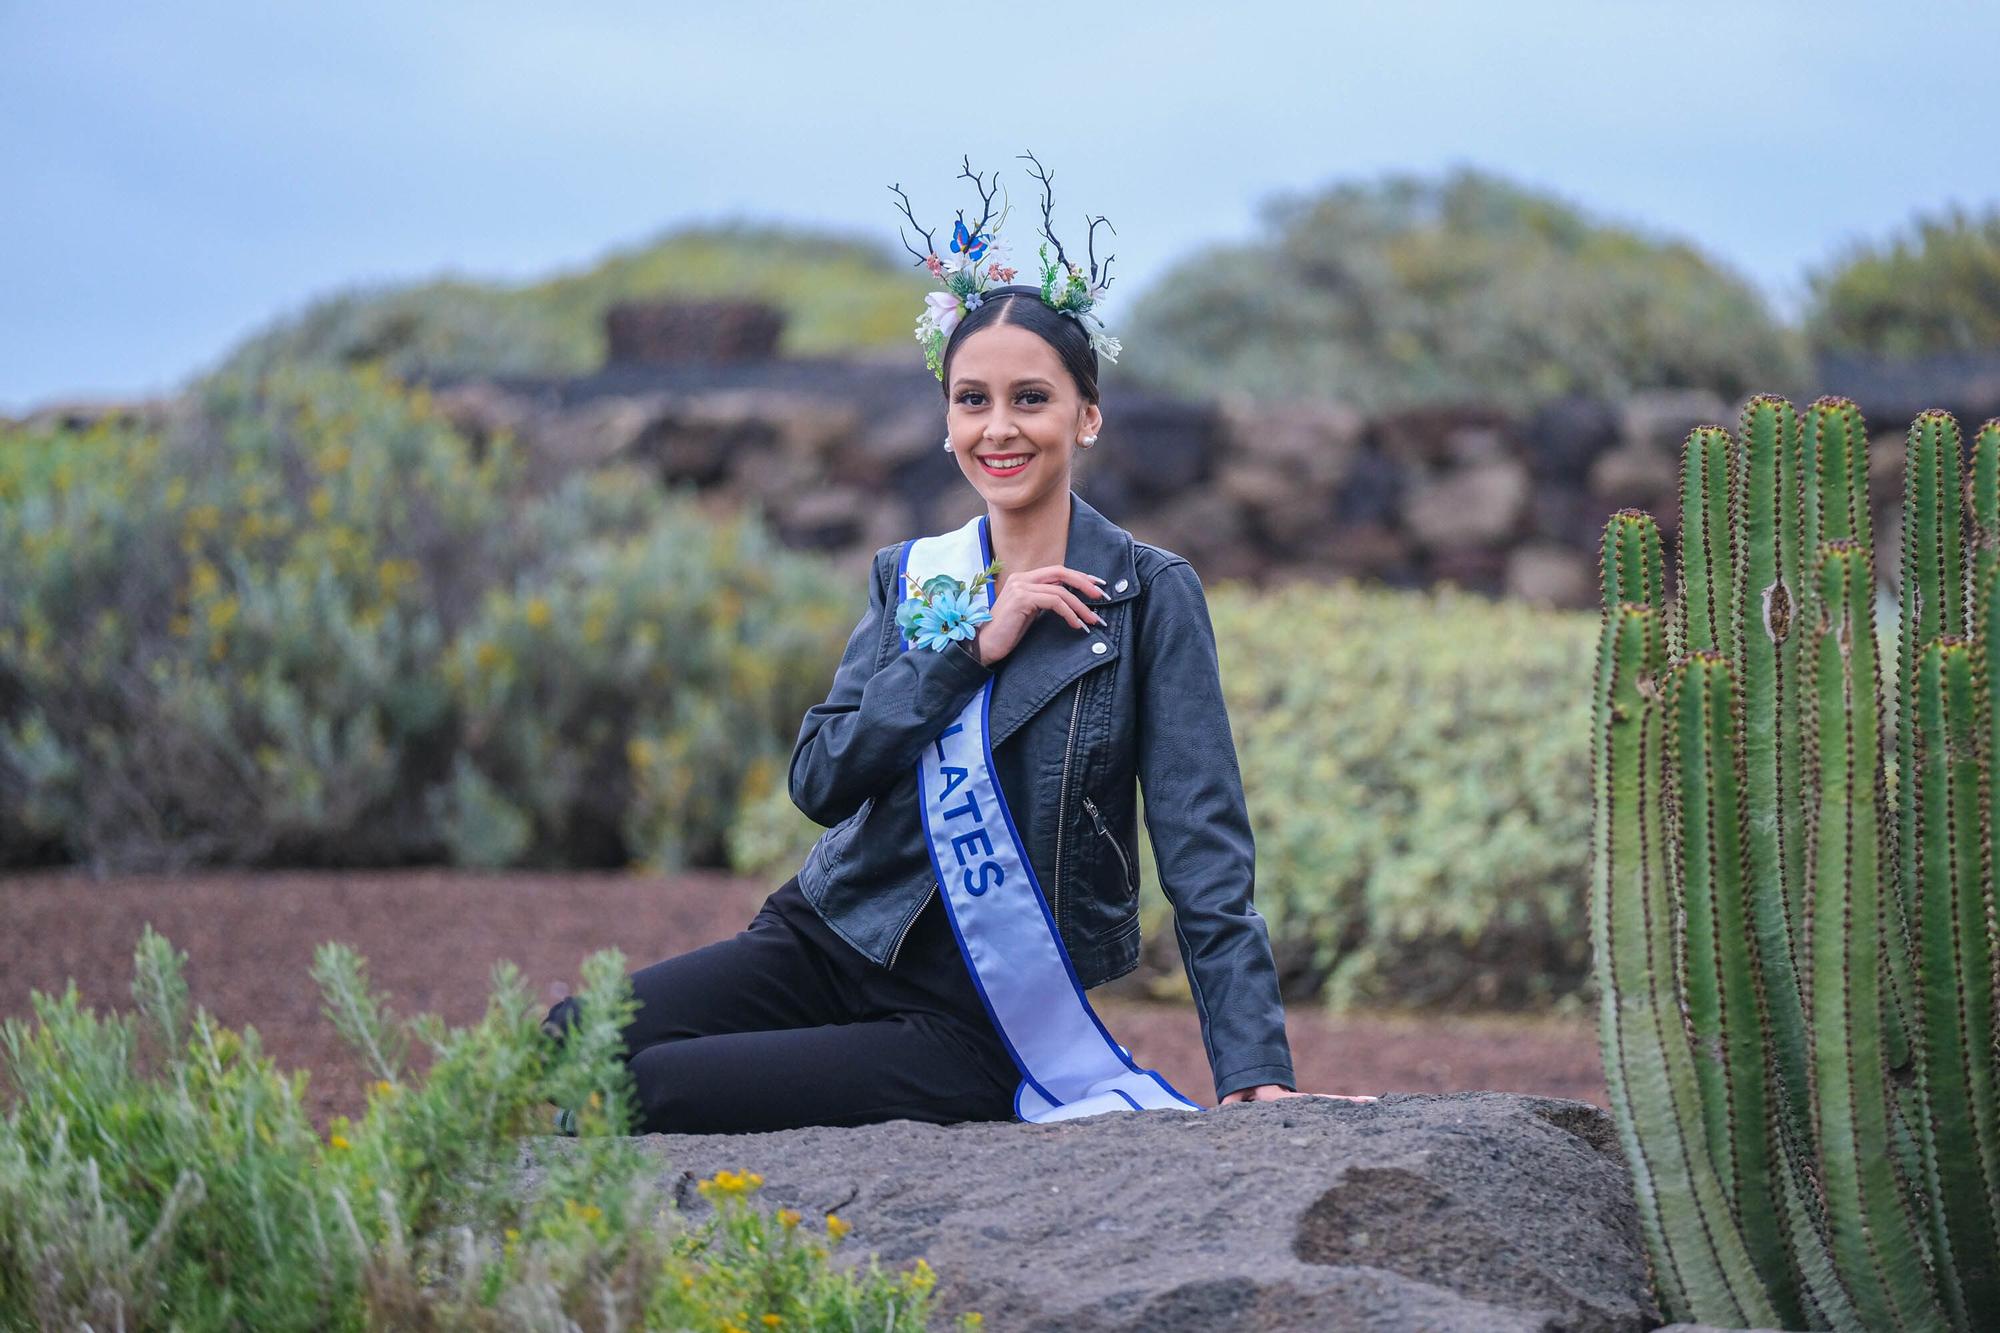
<point x="1048" y="207"/>
<point x="1093" y="253"/>
<point x="985" y="196"/>
<point x="923" y="257"/>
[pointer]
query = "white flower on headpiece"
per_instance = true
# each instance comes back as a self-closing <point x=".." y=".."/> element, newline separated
<point x="942" y="312"/>
<point x="952" y="263"/>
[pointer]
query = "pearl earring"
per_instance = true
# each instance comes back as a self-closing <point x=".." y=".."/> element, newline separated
<point x="947" y="444"/>
<point x="1088" y="440"/>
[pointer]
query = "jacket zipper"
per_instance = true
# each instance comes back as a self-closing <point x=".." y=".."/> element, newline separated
<point x="1123" y="864"/>
<point x="907" y="925"/>
<point x="1062" y="794"/>
<point x="1062" y="801"/>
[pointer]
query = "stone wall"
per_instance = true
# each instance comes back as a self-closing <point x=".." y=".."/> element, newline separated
<point x="844" y="457"/>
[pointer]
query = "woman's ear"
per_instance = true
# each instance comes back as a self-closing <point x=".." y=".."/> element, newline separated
<point x="1093" y="420"/>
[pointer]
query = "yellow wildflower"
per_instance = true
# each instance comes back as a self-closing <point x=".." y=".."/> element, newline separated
<point x="837" y="1226"/>
<point x="339" y="1143"/>
<point x="392" y="575"/>
<point x="384" y="1087"/>
<point x="773" y="1320"/>
<point x="537" y="613"/>
<point x="788" y="1217"/>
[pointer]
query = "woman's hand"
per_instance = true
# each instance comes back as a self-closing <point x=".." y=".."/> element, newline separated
<point x="1027" y="594"/>
<point x="1270" y="1092"/>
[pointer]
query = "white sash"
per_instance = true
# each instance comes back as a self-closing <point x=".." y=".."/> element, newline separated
<point x="1069" y="1064"/>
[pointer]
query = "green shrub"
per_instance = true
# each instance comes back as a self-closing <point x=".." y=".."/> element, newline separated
<point x="1933" y="289"/>
<point x="1405" y="292"/>
<point x="156" y="1172"/>
<point x="1417" y="771"/>
<point x="310" y="626"/>
<point x="837" y="294"/>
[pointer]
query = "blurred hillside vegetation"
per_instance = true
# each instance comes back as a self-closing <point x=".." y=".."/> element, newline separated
<point x="1932" y="288"/>
<point x="1395" y="292"/>
<point x="837" y="295"/>
<point x="1408" y="292"/>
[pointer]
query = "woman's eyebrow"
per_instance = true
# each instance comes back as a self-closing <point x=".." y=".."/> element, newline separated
<point x="967" y="382"/>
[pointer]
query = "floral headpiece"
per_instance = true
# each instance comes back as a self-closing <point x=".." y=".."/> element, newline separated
<point x="976" y="263"/>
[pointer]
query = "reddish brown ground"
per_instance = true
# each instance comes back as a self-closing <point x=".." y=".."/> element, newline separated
<point x="430" y="938"/>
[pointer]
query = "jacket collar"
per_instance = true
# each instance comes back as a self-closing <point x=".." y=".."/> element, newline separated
<point x="1098" y="546"/>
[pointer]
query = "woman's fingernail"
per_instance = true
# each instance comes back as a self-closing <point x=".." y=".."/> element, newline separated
<point x="1098" y="577"/>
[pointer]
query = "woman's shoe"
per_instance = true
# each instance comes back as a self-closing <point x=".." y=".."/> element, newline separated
<point x="562" y="1017"/>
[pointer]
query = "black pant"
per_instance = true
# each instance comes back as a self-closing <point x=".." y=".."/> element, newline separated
<point x="786" y="1024"/>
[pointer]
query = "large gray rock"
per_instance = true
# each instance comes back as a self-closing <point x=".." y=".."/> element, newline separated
<point x="1470" y="506"/>
<point x="1660" y="419"/>
<point x="1478" y="1210"/>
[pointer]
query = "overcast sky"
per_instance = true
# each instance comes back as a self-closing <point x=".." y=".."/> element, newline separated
<point x="175" y="175"/>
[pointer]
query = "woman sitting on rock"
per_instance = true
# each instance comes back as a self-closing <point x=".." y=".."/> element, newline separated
<point x="975" y="763"/>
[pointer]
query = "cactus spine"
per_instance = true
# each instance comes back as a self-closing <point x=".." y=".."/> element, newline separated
<point x="1804" y="1077"/>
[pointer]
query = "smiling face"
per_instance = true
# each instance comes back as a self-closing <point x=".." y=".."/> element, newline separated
<point x="1011" y="401"/>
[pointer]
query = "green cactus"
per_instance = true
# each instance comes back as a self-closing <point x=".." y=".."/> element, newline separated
<point x="1804" y="1073"/>
<point x="1956" y="1074"/>
<point x="1875" y="1240"/>
<point x="1982" y="485"/>
<point x="1708" y="470"/>
<point x="1699" y="1253"/>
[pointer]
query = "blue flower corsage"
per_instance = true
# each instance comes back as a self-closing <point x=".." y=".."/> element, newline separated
<point x="942" y="609"/>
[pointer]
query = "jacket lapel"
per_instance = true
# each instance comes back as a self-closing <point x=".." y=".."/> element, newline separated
<point x="1053" y="653"/>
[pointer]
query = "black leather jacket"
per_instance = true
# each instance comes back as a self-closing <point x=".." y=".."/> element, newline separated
<point x="1077" y="717"/>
